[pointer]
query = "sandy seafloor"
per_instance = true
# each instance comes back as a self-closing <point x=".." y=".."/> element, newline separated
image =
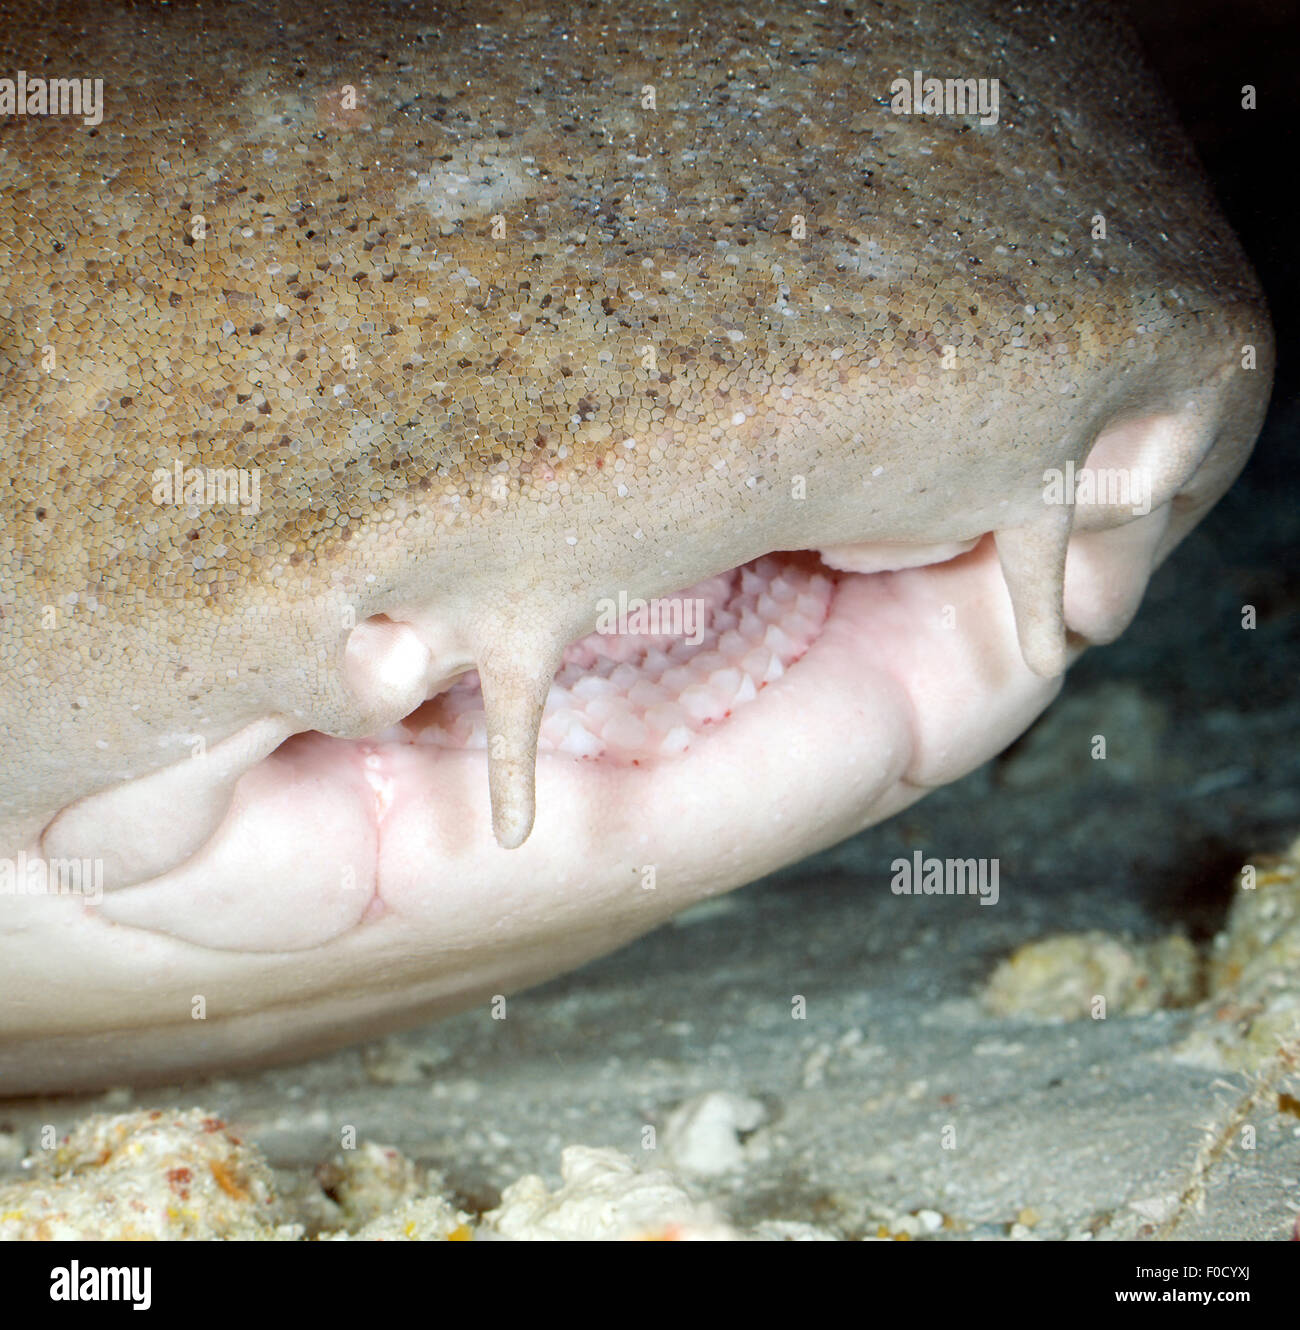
<point x="1087" y="1127"/>
<point x="1100" y="1128"/>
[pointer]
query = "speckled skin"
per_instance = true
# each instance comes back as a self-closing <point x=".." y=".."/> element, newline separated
<point x="922" y="232"/>
<point x="440" y="416"/>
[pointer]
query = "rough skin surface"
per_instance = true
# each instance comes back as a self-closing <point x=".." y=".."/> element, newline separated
<point x="513" y="310"/>
<point x="497" y="379"/>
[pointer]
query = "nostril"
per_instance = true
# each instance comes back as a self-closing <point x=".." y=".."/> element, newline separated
<point x="386" y="664"/>
<point x="1139" y="463"/>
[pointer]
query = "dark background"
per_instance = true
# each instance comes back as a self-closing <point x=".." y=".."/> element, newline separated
<point x="1204" y="51"/>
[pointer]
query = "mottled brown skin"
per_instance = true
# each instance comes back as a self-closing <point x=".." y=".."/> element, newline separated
<point x="921" y="232"/>
<point x="474" y="474"/>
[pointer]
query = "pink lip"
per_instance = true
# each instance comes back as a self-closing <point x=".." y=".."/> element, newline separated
<point x="888" y="690"/>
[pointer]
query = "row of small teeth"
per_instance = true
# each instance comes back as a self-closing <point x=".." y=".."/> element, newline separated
<point x="634" y="696"/>
<point x="628" y="697"/>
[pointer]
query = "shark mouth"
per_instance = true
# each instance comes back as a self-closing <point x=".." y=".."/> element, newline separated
<point x="666" y="669"/>
<point x="766" y="712"/>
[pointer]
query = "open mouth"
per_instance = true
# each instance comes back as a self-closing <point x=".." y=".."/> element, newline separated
<point x="783" y="702"/>
<point x="662" y="671"/>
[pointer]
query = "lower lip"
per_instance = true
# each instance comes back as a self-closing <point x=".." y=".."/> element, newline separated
<point x="328" y="837"/>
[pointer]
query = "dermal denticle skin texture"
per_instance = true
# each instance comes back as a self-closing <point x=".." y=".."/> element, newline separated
<point x="479" y="478"/>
